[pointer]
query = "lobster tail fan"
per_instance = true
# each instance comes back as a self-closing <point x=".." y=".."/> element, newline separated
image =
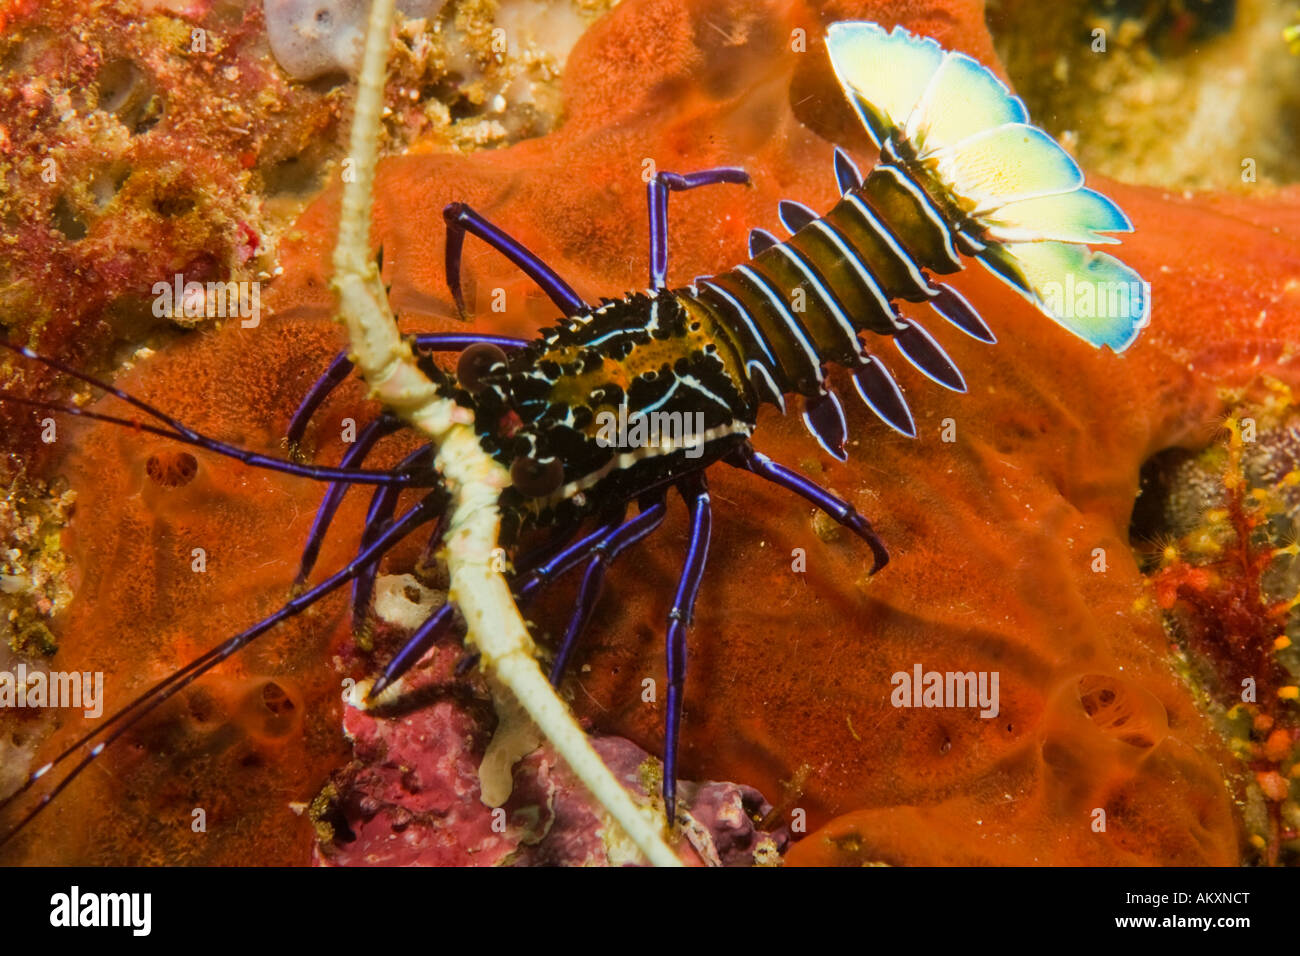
<point x="1082" y="216"/>
<point x="1005" y="187"/>
<point x="1092" y="294"/>
<point x="962" y="99"/>
<point x="1004" y="165"/>
<point x="885" y="73"/>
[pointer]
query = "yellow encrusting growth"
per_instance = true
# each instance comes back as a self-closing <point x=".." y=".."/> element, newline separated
<point x="1229" y="586"/>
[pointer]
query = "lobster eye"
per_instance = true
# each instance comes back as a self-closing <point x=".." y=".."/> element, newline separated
<point x="536" y="479"/>
<point x="475" y="363"/>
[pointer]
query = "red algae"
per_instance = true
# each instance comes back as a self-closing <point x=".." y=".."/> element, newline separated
<point x="1010" y="544"/>
<point x="129" y="143"/>
<point x="1226" y="579"/>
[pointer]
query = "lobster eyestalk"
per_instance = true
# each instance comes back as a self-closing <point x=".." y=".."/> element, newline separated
<point x="472" y="477"/>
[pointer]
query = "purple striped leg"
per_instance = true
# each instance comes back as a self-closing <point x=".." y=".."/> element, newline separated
<point x="377" y="429"/>
<point x="382" y="505"/>
<point x="179" y="432"/>
<point x="534" y="557"/>
<point x="529" y="585"/>
<point x="696" y="492"/>
<point x="340" y="367"/>
<point x="461" y="219"/>
<point x="593" y="579"/>
<point x="747" y="459"/>
<point x="657" y="200"/>
<point x="425" y="636"/>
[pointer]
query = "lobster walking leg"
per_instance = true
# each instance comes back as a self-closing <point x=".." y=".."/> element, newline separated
<point x="747" y="459"/>
<point x="695" y="490"/>
<point x="176" y="430"/>
<point x="657" y="200"/>
<point x="526" y="562"/>
<point x="383" y="503"/>
<point x="377" y="429"/>
<point x="340" y="367"/>
<point x="461" y="219"/>
<point x="593" y="578"/>
<point x="425" y="636"/>
<point x="529" y="585"/>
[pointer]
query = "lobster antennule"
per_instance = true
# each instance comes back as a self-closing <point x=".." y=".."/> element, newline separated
<point x="175" y="430"/>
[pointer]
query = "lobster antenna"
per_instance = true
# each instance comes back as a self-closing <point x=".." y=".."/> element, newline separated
<point x="128" y="716"/>
<point x="251" y="458"/>
<point x="101" y="384"/>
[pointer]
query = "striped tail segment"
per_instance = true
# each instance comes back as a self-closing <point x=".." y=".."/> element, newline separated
<point x="960" y="173"/>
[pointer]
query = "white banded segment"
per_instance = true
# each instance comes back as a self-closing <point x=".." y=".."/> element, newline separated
<point x="824" y="296"/>
<point x="810" y="298"/>
<point x="802" y="362"/>
<point x="889" y="176"/>
<point x="1005" y="187"/>
<point x="761" y="367"/>
<point x="871" y="221"/>
<point x="864" y="278"/>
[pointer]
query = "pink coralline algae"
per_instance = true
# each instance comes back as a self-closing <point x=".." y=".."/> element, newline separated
<point x="412" y="794"/>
